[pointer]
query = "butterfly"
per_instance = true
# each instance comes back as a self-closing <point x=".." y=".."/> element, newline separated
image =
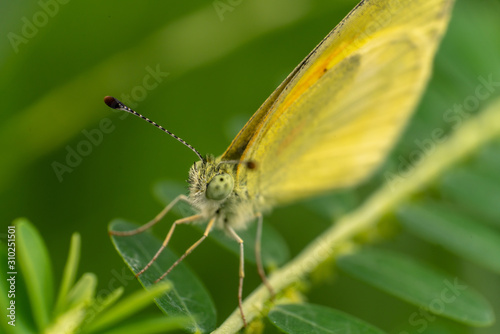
<point x="328" y="125"/>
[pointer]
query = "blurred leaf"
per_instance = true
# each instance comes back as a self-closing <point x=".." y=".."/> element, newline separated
<point x="476" y="193"/>
<point x="78" y="306"/>
<point x="421" y="324"/>
<point x="70" y="270"/>
<point x="309" y="318"/>
<point x="275" y="251"/>
<point x="419" y="285"/>
<point x="333" y="206"/>
<point x="127" y="307"/>
<point x="488" y="161"/>
<point x="35" y="265"/>
<point x="149" y="326"/>
<point x="82" y="293"/>
<point x="445" y="226"/>
<point x="100" y="305"/>
<point x="69" y="321"/>
<point x="188" y="297"/>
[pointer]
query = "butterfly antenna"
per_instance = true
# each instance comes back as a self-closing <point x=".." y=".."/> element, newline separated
<point x="116" y="104"/>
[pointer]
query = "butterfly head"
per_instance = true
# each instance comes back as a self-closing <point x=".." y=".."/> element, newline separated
<point x="210" y="180"/>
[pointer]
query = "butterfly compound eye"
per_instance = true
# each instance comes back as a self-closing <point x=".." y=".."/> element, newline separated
<point x="220" y="187"/>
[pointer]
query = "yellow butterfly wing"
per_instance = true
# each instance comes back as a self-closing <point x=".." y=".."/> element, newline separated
<point x="334" y="119"/>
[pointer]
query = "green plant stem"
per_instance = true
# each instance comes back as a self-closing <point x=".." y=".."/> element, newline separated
<point x="465" y="140"/>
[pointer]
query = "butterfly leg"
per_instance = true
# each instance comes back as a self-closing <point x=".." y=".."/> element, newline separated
<point x="258" y="256"/>
<point x="167" y="239"/>
<point x="241" y="272"/>
<point x="154" y="220"/>
<point x="190" y="249"/>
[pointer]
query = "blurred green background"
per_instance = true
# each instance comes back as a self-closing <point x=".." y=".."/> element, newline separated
<point x="221" y="64"/>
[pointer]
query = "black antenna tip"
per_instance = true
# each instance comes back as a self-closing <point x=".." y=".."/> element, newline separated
<point x="251" y="164"/>
<point x="112" y="102"/>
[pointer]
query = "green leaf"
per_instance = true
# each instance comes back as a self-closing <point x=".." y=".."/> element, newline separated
<point x="125" y="308"/>
<point x="419" y="285"/>
<point x="445" y="226"/>
<point x="35" y="265"/>
<point x="149" y="326"/>
<point x="69" y="272"/>
<point x="188" y="297"/>
<point x="488" y="161"/>
<point x="69" y="321"/>
<point x="100" y="305"/>
<point x="275" y="251"/>
<point x="426" y="324"/>
<point x="475" y="193"/>
<point x="309" y="318"/>
<point x="82" y="293"/>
